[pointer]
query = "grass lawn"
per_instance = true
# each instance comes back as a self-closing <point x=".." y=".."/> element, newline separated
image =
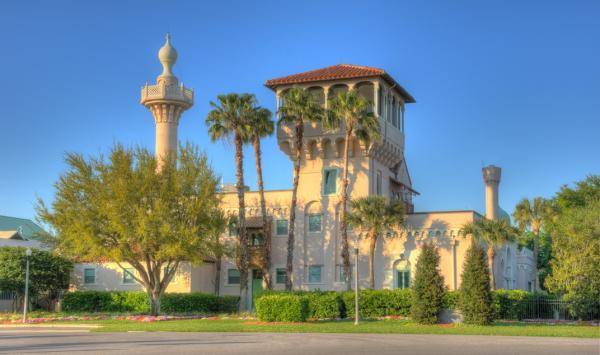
<point x="374" y="326"/>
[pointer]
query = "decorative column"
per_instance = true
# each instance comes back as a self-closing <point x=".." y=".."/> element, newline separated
<point x="326" y="95"/>
<point x="166" y="100"/>
<point x="376" y="97"/>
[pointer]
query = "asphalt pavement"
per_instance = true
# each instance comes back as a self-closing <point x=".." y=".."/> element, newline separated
<point x="80" y="341"/>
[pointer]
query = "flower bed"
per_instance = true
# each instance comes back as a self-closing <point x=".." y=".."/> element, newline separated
<point x="134" y="318"/>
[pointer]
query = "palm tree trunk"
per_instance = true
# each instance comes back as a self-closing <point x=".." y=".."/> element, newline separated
<point x="291" y="229"/>
<point x="344" y="202"/>
<point x="263" y="208"/>
<point x="490" y="253"/>
<point x="239" y="161"/>
<point x="536" y="252"/>
<point x="372" y="245"/>
<point x="217" y="275"/>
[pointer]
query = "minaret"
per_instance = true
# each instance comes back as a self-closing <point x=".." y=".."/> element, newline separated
<point x="166" y="100"/>
<point x="491" y="177"/>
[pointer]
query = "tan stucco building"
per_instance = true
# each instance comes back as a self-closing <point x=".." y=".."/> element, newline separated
<point x="379" y="169"/>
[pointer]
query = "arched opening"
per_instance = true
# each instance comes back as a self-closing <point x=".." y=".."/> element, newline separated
<point x="367" y="90"/>
<point x="402" y="277"/>
<point x="318" y="94"/>
<point x="336" y="89"/>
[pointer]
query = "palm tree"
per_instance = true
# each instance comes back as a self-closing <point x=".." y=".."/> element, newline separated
<point x="375" y="215"/>
<point x="353" y="112"/>
<point x="530" y="215"/>
<point x="298" y="107"/>
<point x="229" y="117"/>
<point x="260" y="125"/>
<point x="494" y="233"/>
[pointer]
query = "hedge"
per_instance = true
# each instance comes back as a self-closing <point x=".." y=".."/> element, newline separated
<point x="137" y="302"/>
<point x="379" y="303"/>
<point x="321" y="304"/>
<point x="282" y="308"/>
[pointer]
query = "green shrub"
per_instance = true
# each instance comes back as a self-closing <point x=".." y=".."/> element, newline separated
<point x="475" y="296"/>
<point x="321" y="304"/>
<point x="137" y="302"/>
<point x="451" y="300"/>
<point x="379" y="303"/>
<point x="428" y="287"/>
<point x="510" y="304"/>
<point x="282" y="308"/>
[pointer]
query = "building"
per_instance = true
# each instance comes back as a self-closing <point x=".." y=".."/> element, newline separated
<point x="379" y="169"/>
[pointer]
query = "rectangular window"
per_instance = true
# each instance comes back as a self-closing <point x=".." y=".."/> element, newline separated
<point x="340" y="273"/>
<point x="403" y="279"/>
<point x="280" y="276"/>
<point x="233" y="277"/>
<point x="282" y="227"/>
<point x="89" y="275"/>
<point x="329" y="181"/>
<point x="233" y="231"/>
<point x="128" y="275"/>
<point x="314" y="273"/>
<point x="314" y="223"/>
<point x="378" y="183"/>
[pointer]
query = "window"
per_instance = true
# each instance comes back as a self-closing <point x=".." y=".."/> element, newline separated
<point x="128" y="275"/>
<point x="89" y="276"/>
<point x="233" y="277"/>
<point x="314" y="273"/>
<point x="378" y="183"/>
<point x="280" y="276"/>
<point x="257" y="239"/>
<point x="166" y="271"/>
<point x="329" y="181"/>
<point x="402" y="278"/>
<point x="314" y="223"/>
<point x="340" y="272"/>
<point x="233" y="231"/>
<point x="282" y="227"/>
<point x="379" y="101"/>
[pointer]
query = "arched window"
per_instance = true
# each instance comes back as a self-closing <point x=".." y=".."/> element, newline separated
<point x="402" y="274"/>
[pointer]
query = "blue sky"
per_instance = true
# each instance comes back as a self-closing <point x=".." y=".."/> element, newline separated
<point x="513" y="83"/>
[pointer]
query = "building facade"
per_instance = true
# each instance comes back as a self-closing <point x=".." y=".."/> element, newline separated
<point x="376" y="169"/>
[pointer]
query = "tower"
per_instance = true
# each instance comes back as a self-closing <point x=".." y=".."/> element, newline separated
<point x="166" y="100"/>
<point x="491" y="178"/>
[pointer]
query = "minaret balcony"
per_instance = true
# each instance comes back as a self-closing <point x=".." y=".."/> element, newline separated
<point x="164" y="92"/>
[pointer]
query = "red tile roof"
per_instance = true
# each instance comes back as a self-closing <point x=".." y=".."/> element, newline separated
<point x="338" y="72"/>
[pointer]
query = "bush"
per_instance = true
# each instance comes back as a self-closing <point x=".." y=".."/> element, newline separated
<point x="475" y="297"/>
<point x="428" y="287"/>
<point x="379" y="303"/>
<point x="510" y="304"/>
<point x="451" y="300"/>
<point x="137" y="302"/>
<point x="282" y="308"/>
<point x="321" y="304"/>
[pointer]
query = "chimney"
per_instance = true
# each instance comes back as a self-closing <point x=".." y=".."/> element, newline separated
<point x="491" y="178"/>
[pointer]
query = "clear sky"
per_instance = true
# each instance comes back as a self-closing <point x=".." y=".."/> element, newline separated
<point x="513" y="83"/>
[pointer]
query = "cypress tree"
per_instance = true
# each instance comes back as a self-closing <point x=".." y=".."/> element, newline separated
<point x="475" y="297"/>
<point x="428" y="287"/>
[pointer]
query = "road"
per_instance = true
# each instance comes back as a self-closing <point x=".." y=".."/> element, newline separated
<point x="78" y="341"/>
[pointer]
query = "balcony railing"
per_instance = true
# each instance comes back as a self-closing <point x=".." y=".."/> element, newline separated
<point x="167" y="92"/>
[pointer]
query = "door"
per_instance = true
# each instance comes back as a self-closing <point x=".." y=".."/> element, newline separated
<point x="257" y="285"/>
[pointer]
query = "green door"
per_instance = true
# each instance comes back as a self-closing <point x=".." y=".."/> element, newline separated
<point x="257" y="285"/>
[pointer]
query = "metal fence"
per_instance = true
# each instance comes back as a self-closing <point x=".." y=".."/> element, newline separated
<point x="7" y="295"/>
<point x="553" y="309"/>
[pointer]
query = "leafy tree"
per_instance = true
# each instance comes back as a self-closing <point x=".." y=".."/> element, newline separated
<point x="260" y="125"/>
<point x="529" y="216"/>
<point x="575" y="230"/>
<point x="48" y="273"/>
<point x="375" y="215"/>
<point x="428" y="287"/>
<point x="298" y="108"/>
<point x="494" y="233"/>
<point x="352" y="112"/>
<point x="475" y="297"/>
<point x="217" y="248"/>
<point x="125" y="209"/>
<point x="229" y="117"/>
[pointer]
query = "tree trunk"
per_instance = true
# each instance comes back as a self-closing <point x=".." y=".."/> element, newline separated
<point x="263" y="208"/>
<point x="536" y="252"/>
<point x="291" y="241"/>
<point x="217" y="275"/>
<point x="372" y="244"/>
<point x="154" y="296"/>
<point x="490" y="253"/>
<point x="239" y="160"/>
<point x="344" y="202"/>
